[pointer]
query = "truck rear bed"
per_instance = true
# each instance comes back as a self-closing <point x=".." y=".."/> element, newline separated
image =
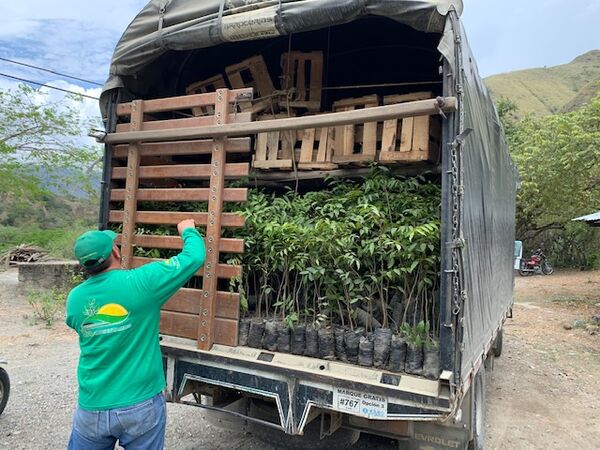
<point x="301" y="387"/>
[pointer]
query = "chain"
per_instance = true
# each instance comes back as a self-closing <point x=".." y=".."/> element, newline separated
<point x="458" y="296"/>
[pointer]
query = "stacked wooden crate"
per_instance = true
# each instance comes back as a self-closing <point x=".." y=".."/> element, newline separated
<point x="399" y="141"/>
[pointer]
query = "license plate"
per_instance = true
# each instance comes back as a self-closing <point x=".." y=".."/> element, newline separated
<point x="362" y="404"/>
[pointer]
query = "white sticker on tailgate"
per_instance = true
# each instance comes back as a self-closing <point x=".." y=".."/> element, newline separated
<point x="363" y="404"/>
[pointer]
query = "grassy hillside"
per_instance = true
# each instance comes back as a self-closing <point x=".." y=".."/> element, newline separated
<point x="549" y="90"/>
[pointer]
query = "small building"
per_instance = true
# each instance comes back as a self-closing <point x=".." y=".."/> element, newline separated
<point x="593" y="220"/>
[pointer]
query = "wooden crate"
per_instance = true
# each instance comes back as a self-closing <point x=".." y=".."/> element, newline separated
<point x="203" y="87"/>
<point x="253" y="72"/>
<point x="410" y="139"/>
<point x="303" y="75"/>
<point x="275" y="149"/>
<point x="355" y="144"/>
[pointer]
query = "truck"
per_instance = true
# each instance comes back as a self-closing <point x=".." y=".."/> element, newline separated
<point x="202" y="93"/>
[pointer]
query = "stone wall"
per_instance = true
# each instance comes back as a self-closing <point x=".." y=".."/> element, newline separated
<point x="46" y="275"/>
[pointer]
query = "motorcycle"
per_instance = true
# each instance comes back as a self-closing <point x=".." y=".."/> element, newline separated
<point x="537" y="264"/>
<point x="4" y="387"/>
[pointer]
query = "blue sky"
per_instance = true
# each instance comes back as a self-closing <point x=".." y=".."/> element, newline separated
<point x="77" y="37"/>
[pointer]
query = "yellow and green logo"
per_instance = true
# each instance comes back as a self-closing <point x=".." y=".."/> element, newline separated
<point x="109" y="314"/>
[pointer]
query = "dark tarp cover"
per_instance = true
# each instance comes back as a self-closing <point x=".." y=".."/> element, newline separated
<point x="165" y="25"/>
<point x="488" y="219"/>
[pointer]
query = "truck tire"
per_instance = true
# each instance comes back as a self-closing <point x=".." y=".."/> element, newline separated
<point x="497" y="345"/>
<point x="478" y="412"/>
<point x="340" y="440"/>
<point x="4" y="389"/>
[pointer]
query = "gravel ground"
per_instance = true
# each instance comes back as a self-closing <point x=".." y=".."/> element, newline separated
<point x="542" y="393"/>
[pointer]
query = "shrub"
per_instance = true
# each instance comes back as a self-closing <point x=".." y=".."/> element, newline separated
<point x="47" y="304"/>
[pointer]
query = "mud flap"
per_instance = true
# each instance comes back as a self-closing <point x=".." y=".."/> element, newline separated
<point x="433" y="436"/>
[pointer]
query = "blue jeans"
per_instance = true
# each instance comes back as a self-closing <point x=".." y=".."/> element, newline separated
<point x="137" y="427"/>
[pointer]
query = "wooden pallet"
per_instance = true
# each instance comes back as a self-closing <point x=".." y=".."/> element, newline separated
<point x="303" y="75"/>
<point x="207" y="314"/>
<point x="355" y="144"/>
<point x="316" y="150"/>
<point x="275" y="149"/>
<point x="204" y="87"/>
<point x="410" y="139"/>
<point x="253" y="73"/>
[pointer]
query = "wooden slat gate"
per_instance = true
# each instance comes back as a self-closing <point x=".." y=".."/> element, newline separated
<point x="153" y="173"/>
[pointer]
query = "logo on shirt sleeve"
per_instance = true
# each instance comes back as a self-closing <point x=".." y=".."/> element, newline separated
<point x="109" y="318"/>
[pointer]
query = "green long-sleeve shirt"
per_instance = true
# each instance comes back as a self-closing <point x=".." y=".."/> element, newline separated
<point x="116" y="315"/>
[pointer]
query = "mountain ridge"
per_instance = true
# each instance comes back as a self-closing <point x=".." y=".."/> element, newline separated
<point x="549" y="90"/>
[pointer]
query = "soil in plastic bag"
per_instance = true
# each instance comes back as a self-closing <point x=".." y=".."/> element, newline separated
<point x="365" y="351"/>
<point x="244" y="330"/>
<point x="299" y="340"/>
<point x="352" y="341"/>
<point x="312" y="341"/>
<point x="431" y="364"/>
<point x="397" y="354"/>
<point x="414" y="359"/>
<point x="283" y="338"/>
<point x="255" y="336"/>
<point x="340" y="346"/>
<point x="381" y="346"/>
<point x="326" y="343"/>
<point x="270" y="337"/>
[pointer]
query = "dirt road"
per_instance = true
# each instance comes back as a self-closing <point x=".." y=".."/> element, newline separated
<point x="542" y="393"/>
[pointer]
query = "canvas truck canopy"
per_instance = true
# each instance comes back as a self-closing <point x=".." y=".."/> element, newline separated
<point x="180" y="25"/>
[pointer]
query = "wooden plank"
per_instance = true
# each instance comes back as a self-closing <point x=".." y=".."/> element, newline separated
<point x="174" y="217"/>
<point x="308" y="145"/>
<point x="420" y="133"/>
<point x="228" y="245"/>
<point x="274" y="164"/>
<point x="369" y="143"/>
<point x="224" y="271"/>
<point x="182" y="171"/>
<point x="189" y="300"/>
<point x="375" y="114"/>
<point x="207" y="313"/>
<point x="131" y="176"/>
<point x="406" y="134"/>
<point x="388" y="139"/>
<point x="402" y="98"/>
<point x="272" y="145"/>
<point x="186" y="122"/>
<point x="181" y="195"/>
<point x="198" y="147"/>
<point x="405" y="157"/>
<point x="316" y="84"/>
<point x="226" y="331"/>
<point x="368" y="100"/>
<point x="186" y="326"/>
<point x="262" y="142"/>
<point x="357" y="158"/>
<point x="179" y="324"/>
<point x="183" y="102"/>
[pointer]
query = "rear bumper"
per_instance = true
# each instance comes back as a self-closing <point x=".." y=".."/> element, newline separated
<point x="303" y="387"/>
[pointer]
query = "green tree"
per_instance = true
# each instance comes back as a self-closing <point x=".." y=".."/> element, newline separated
<point x="40" y="137"/>
<point x="559" y="162"/>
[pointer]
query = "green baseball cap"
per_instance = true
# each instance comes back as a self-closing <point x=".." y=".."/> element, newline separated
<point x="94" y="247"/>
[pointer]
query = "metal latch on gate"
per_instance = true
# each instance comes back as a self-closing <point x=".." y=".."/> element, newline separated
<point x="460" y="139"/>
<point x="457" y="243"/>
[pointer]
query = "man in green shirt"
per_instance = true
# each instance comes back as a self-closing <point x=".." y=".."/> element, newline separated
<point x="116" y="314"/>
